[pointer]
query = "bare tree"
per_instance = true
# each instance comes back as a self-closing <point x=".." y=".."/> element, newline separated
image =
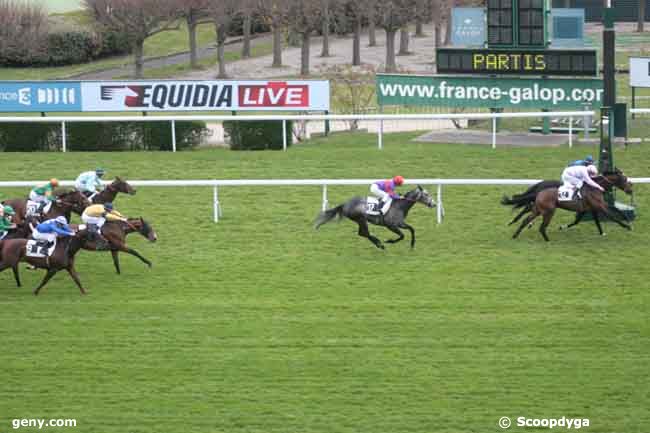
<point x="247" y="8"/>
<point x="137" y="19"/>
<point x="304" y="18"/>
<point x="404" y="42"/>
<point x="392" y="15"/>
<point x="222" y="12"/>
<point x="326" y="8"/>
<point x="356" y="10"/>
<point x="195" y="12"/>
<point x="641" y="21"/>
<point x="275" y="14"/>
<point x="372" y="37"/>
<point x="420" y="17"/>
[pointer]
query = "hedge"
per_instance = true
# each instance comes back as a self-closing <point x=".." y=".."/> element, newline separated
<point x="100" y="136"/>
<point x="257" y="135"/>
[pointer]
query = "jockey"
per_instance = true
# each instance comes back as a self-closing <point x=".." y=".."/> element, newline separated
<point x="50" y="229"/>
<point x="44" y="194"/>
<point x="589" y="160"/>
<point x="97" y="214"/>
<point x="6" y="212"/>
<point x="88" y="182"/>
<point x="385" y="191"/>
<point x="575" y="176"/>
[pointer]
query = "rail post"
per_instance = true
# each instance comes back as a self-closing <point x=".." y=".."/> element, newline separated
<point x="216" y="204"/>
<point x="570" y="132"/>
<point x="325" y="202"/>
<point x="439" y="204"/>
<point x="494" y="132"/>
<point x="173" y="135"/>
<point x="64" y="142"/>
<point x="284" y="134"/>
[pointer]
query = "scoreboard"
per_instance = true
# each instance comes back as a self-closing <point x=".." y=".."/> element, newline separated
<point x="517" y="23"/>
<point x="516" y="61"/>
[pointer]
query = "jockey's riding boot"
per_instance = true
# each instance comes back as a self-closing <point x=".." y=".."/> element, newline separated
<point x="41" y="207"/>
<point x="100" y="242"/>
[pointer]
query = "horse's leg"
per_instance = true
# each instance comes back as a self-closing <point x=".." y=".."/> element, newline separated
<point x="617" y="220"/>
<point x="576" y="221"/>
<point x="594" y="213"/>
<point x="398" y="232"/>
<point x="547" y="217"/>
<point x="16" y="275"/>
<point x="116" y="260"/>
<point x="73" y="273"/>
<point x="529" y="219"/>
<point x="365" y="233"/>
<point x="526" y="209"/>
<point x="48" y="277"/>
<point x="133" y="253"/>
<point x="412" y="230"/>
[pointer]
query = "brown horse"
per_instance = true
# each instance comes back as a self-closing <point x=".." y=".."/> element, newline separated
<point x="546" y="202"/>
<point x="14" y="251"/>
<point x="109" y="193"/>
<point x="66" y="201"/>
<point x="115" y="232"/>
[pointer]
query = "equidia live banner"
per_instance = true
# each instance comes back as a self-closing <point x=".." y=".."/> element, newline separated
<point x="141" y="96"/>
<point x="489" y="92"/>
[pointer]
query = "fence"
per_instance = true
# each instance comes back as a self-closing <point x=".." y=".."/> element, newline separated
<point x="323" y="183"/>
<point x="640" y="111"/>
<point x="310" y="117"/>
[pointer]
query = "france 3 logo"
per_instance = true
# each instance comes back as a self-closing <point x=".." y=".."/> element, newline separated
<point x="19" y="97"/>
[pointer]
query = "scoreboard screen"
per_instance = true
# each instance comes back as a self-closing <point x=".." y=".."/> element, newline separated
<point x="500" y="25"/>
<point x="516" y="61"/>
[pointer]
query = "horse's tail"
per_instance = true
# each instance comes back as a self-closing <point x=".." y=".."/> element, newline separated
<point x="328" y="215"/>
<point x="518" y="200"/>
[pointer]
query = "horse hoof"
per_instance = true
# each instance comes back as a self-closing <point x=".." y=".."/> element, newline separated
<point x="603" y="234"/>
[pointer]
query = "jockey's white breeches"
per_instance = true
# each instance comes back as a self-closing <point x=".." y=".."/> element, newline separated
<point x="50" y="237"/>
<point x="572" y="182"/>
<point x="37" y="198"/>
<point x="383" y="196"/>
<point x="98" y="221"/>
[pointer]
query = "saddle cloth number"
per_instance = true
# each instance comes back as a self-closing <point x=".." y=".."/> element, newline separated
<point x="39" y="249"/>
<point x="564" y="193"/>
<point x="372" y="206"/>
<point x="32" y="208"/>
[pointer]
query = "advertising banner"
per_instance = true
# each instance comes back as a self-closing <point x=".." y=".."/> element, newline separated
<point x="640" y="71"/>
<point x="484" y="92"/>
<point x="38" y="96"/>
<point x="206" y="96"/>
<point x="468" y="26"/>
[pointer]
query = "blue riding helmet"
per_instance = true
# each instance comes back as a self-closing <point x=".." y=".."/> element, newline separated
<point x="108" y="206"/>
<point x="100" y="171"/>
<point x="589" y="159"/>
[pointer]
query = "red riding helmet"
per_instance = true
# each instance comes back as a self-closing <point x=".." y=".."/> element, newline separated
<point x="398" y="180"/>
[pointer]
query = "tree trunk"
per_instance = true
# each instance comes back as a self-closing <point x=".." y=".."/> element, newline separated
<point x="277" y="46"/>
<point x="438" y="34"/>
<point x="246" y="47"/>
<point x="419" y="19"/>
<point x="404" y="42"/>
<point x="448" y="29"/>
<point x="138" y="52"/>
<point x="304" y="54"/>
<point x="356" y="43"/>
<point x="221" y="50"/>
<point x="191" y="29"/>
<point x="326" y="32"/>
<point x="372" y="37"/>
<point x="436" y="42"/>
<point x="390" y="51"/>
<point x="640" y="23"/>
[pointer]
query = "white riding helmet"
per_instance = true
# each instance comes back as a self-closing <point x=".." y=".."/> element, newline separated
<point x="61" y="220"/>
<point x="592" y="170"/>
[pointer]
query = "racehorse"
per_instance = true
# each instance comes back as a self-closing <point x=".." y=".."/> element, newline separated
<point x="355" y="209"/>
<point x="65" y="203"/>
<point x="593" y="201"/>
<point x="13" y="251"/>
<point x="109" y="193"/>
<point x="116" y="232"/>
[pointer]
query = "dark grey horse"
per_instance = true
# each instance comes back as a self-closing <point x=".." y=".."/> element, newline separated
<point x="355" y="209"/>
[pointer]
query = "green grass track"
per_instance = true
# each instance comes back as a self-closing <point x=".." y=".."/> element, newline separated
<point x="261" y="324"/>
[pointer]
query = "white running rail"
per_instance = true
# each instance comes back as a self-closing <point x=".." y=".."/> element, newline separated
<point x="306" y="117"/>
<point x="323" y="183"/>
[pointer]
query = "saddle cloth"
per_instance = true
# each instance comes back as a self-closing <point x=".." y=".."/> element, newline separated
<point x="32" y="208"/>
<point x="372" y="206"/>
<point x="39" y="248"/>
<point x="565" y="193"/>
